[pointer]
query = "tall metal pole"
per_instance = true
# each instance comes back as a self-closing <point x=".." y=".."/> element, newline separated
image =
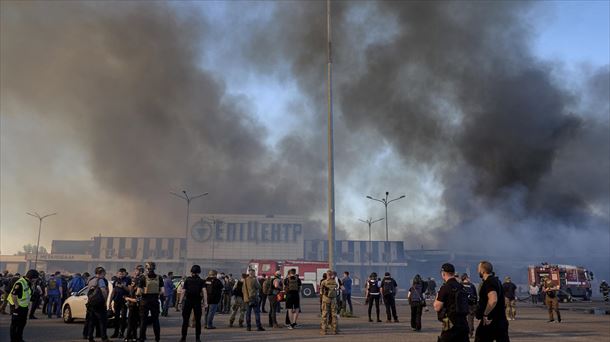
<point x="40" y="218"/>
<point x="331" y="161"/>
<point x="188" y="200"/>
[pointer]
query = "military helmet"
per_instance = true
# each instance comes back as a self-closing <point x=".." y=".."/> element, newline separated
<point x="150" y="266"/>
<point x="373" y="275"/>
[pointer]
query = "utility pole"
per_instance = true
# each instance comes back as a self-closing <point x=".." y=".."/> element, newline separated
<point x="370" y="222"/>
<point x="40" y="218"/>
<point x="188" y="200"/>
<point x="385" y="203"/>
<point x="331" y="160"/>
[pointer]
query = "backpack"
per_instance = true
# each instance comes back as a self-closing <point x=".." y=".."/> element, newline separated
<point x="416" y="293"/>
<point x="268" y="286"/>
<point x="329" y="289"/>
<point x="238" y="290"/>
<point x="458" y="305"/>
<point x="293" y="283"/>
<point x="373" y="286"/>
<point x="388" y="286"/>
<point x="95" y="297"/>
<point x="52" y="284"/>
<point x="152" y="285"/>
<point x="472" y="294"/>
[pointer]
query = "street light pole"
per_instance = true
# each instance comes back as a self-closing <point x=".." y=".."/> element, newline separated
<point x="331" y="159"/>
<point x="188" y="200"/>
<point x="370" y="222"/>
<point x="385" y="203"/>
<point x="40" y="218"/>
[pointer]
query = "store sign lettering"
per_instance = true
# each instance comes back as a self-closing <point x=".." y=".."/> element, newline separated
<point x="252" y="231"/>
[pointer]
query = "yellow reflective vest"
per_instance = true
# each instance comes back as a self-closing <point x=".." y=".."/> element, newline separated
<point x="24" y="300"/>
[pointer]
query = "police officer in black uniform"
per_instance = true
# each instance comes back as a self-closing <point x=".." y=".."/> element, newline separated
<point x="373" y="293"/>
<point x="150" y="286"/>
<point x="133" y="301"/>
<point x="19" y="299"/>
<point x="389" y="287"/>
<point x="194" y="294"/>
<point x="455" y="325"/>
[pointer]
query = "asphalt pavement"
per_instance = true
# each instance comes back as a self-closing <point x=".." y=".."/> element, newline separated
<point x="531" y="325"/>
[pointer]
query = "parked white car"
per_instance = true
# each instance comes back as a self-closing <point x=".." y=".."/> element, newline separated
<point x="75" y="306"/>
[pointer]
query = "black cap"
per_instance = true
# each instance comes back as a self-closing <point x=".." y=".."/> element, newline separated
<point x="387" y="274"/>
<point x="32" y="274"/>
<point x="196" y="269"/>
<point x="447" y="267"/>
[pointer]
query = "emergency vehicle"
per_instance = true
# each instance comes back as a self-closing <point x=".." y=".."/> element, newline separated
<point x="573" y="281"/>
<point x="310" y="272"/>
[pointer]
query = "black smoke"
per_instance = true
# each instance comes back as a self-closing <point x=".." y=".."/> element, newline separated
<point x="450" y="89"/>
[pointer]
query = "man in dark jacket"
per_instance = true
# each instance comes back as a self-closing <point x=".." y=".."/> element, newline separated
<point x="194" y="295"/>
<point x="119" y="291"/>
<point x="213" y="287"/>
<point x="389" y="287"/>
<point x="455" y="326"/>
<point x="491" y="308"/>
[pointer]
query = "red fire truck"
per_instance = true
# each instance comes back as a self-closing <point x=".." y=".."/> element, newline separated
<point x="310" y="272"/>
<point x="573" y="281"/>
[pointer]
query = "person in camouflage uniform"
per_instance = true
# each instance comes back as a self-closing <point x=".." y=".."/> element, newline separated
<point x="328" y="289"/>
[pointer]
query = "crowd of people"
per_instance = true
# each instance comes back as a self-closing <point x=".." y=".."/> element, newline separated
<point x="137" y="299"/>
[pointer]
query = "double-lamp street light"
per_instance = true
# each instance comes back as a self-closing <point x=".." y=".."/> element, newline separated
<point x="385" y="201"/>
<point x="370" y="222"/>
<point x="188" y="200"/>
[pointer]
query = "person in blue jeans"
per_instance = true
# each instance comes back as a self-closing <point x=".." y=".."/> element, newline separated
<point x="347" y="291"/>
<point x="213" y="287"/>
<point x="54" y="293"/>
<point x="168" y="284"/>
<point x="251" y="290"/>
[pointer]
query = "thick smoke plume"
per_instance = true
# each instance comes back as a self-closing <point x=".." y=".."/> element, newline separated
<point x="125" y="83"/>
<point x="450" y="91"/>
<point x="455" y="90"/>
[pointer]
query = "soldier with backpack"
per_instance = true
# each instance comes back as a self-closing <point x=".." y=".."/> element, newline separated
<point x="491" y="308"/>
<point x="150" y="286"/>
<point x="451" y="304"/>
<point x="372" y="294"/>
<point x="328" y="290"/>
<point x="389" y="287"/>
<point x="238" y="302"/>
<point x="96" y="304"/>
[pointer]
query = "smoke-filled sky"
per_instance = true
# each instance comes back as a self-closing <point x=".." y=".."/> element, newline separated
<point x="492" y="117"/>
